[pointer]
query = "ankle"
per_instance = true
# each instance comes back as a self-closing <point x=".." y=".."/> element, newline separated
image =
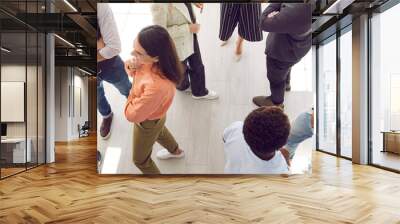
<point x="177" y="151"/>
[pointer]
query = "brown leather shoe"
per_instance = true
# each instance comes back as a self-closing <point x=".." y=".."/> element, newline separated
<point x="266" y="101"/>
<point x="105" y="128"/>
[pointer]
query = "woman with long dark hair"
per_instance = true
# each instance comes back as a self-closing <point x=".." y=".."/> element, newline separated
<point x="157" y="71"/>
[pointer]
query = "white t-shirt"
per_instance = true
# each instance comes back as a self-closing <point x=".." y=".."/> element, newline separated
<point x="239" y="159"/>
<point x="109" y="31"/>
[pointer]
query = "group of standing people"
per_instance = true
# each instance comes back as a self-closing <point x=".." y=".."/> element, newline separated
<point x="166" y="56"/>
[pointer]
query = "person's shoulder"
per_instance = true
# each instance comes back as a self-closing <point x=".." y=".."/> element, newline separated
<point x="233" y="129"/>
<point x="157" y="81"/>
<point x="237" y="124"/>
<point x="102" y="7"/>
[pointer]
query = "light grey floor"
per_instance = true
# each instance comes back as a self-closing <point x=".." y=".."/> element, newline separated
<point x="198" y="125"/>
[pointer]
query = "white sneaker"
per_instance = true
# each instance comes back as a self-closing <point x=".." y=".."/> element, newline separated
<point x="238" y="57"/>
<point x="164" y="154"/>
<point x="223" y="43"/>
<point x="212" y="95"/>
<point x="186" y="91"/>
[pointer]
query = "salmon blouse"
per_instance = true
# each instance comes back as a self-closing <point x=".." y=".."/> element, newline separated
<point x="150" y="97"/>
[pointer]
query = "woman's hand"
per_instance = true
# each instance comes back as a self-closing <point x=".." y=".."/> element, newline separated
<point x="200" y="6"/>
<point x="272" y="14"/>
<point x="100" y="44"/>
<point x="131" y="67"/>
<point x="194" y="28"/>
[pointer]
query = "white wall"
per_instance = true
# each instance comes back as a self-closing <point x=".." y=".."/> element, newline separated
<point x="69" y="82"/>
<point x="61" y="103"/>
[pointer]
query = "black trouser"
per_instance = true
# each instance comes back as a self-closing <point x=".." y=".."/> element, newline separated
<point x="288" y="79"/>
<point x="194" y="75"/>
<point x="277" y="73"/>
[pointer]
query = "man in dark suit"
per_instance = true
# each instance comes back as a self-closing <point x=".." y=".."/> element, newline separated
<point x="288" y="41"/>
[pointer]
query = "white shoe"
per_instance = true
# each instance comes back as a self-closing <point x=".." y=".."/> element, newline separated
<point x="212" y="95"/>
<point x="186" y="91"/>
<point x="238" y="57"/>
<point x="223" y="43"/>
<point x="164" y="154"/>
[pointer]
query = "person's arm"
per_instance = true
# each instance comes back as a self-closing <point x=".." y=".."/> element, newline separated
<point x="138" y="108"/>
<point x="272" y="7"/>
<point x="232" y="154"/>
<point x="109" y="32"/>
<point x="286" y="155"/>
<point x="229" y="130"/>
<point x="160" y="15"/>
<point x="295" y="18"/>
<point x="100" y="45"/>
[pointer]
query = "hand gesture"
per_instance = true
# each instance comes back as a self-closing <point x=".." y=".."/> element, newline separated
<point x="272" y="14"/>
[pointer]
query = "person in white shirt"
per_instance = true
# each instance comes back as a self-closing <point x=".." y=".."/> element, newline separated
<point x="110" y="67"/>
<point x="255" y="145"/>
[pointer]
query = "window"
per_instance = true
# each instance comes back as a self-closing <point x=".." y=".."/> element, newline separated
<point x="327" y="96"/>
<point x="385" y="89"/>
<point x="22" y="76"/>
<point x="346" y="92"/>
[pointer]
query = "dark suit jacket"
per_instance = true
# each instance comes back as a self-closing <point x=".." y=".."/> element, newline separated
<point x="289" y="37"/>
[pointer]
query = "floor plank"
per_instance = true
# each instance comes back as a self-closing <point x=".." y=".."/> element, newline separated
<point x="70" y="191"/>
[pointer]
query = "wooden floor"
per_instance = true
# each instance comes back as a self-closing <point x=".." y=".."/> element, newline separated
<point x="10" y="171"/>
<point x="70" y="191"/>
<point x="387" y="159"/>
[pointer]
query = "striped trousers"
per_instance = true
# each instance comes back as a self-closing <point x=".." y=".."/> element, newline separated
<point x="244" y="15"/>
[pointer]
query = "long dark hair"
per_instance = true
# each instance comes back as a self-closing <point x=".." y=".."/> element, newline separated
<point x="157" y="42"/>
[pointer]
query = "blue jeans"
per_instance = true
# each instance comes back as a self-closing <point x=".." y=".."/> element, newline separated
<point x="301" y="130"/>
<point x="115" y="74"/>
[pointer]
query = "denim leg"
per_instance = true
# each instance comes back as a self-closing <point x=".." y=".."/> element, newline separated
<point x="301" y="130"/>
<point x="102" y="103"/>
<point x="117" y="76"/>
<point x="123" y="84"/>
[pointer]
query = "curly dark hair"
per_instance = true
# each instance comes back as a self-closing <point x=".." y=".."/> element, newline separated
<point x="266" y="130"/>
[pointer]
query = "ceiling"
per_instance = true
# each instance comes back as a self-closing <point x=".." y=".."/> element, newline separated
<point x="72" y="20"/>
<point x="325" y="24"/>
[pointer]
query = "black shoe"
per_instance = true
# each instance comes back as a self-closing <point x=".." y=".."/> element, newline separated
<point x="98" y="156"/>
<point x="266" y="101"/>
<point x="288" y="87"/>
<point x="183" y="87"/>
<point x="105" y="128"/>
<point x="98" y="162"/>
